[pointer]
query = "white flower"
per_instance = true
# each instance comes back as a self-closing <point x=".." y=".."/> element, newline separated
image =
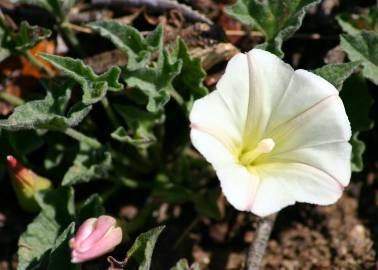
<point x="274" y="136"/>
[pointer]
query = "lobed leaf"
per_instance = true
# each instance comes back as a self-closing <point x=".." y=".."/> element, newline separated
<point x="128" y="39"/>
<point x="140" y="126"/>
<point x="336" y="74"/>
<point x="48" y="113"/>
<point x="154" y="82"/>
<point x="363" y="47"/>
<point x="189" y="82"/>
<point x="278" y="20"/>
<point x="94" y="86"/>
<point x="25" y="38"/>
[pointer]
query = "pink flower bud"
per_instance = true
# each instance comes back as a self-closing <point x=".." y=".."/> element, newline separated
<point x="26" y="183"/>
<point x="95" y="237"/>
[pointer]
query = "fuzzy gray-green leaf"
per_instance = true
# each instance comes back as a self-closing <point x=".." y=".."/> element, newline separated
<point x="128" y="39"/>
<point x="154" y="82"/>
<point x="189" y="82"/>
<point x="336" y="74"/>
<point x="277" y="19"/>
<point x="94" y="86"/>
<point x="143" y="247"/>
<point x="140" y="126"/>
<point x="363" y="47"/>
<point x="48" y="113"/>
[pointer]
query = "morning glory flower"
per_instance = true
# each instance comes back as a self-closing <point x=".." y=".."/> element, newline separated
<point x="274" y="136"/>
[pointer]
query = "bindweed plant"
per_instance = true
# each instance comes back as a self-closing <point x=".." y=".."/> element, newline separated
<point x="273" y="135"/>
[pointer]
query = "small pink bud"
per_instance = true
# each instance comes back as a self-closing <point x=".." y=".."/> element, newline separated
<point x="26" y="183"/>
<point x="94" y="238"/>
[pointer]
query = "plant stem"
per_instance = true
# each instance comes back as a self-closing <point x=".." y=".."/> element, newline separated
<point x="82" y="138"/>
<point x="176" y="96"/>
<point x="113" y="118"/>
<point x="70" y="36"/>
<point x="35" y="62"/>
<point x="11" y="99"/>
<point x="260" y="241"/>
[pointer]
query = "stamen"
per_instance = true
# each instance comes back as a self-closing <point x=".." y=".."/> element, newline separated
<point x="263" y="147"/>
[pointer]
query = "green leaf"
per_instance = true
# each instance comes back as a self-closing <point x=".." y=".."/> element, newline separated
<point x="60" y="255"/>
<point x="128" y="39"/>
<point x="48" y="113"/>
<point x="41" y="235"/>
<point x="28" y="36"/>
<point x="189" y="82"/>
<point x="141" y="124"/>
<point x="358" y="149"/>
<point x="363" y="47"/>
<point x="25" y="38"/>
<point x="277" y="19"/>
<point x="89" y="164"/>
<point x="357" y="101"/>
<point x="354" y="23"/>
<point x="184" y="265"/>
<point x="143" y="248"/>
<point x="336" y="74"/>
<point x="154" y="82"/>
<point x="92" y="207"/>
<point x="94" y="86"/>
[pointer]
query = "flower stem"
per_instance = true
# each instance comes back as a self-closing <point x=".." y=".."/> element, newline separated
<point x="260" y="241"/>
<point x="82" y="138"/>
<point x="110" y="113"/>
<point x="35" y="62"/>
<point x="11" y="99"/>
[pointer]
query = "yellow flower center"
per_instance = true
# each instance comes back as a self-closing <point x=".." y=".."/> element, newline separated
<point x="247" y="158"/>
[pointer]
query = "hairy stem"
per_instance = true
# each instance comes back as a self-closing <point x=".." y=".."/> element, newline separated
<point x="109" y="111"/>
<point x="36" y="63"/>
<point x="11" y="99"/>
<point x="82" y="138"/>
<point x="260" y="241"/>
<point x="70" y="36"/>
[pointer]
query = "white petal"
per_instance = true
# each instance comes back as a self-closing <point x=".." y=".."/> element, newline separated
<point x="305" y="90"/>
<point x="281" y="184"/>
<point x="233" y="87"/>
<point x="212" y="149"/>
<point x="238" y="185"/>
<point x="269" y="79"/>
<point x="333" y="158"/>
<point x="211" y="115"/>
<point x="323" y="123"/>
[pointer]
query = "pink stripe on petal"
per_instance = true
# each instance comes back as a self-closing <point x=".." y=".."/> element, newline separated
<point x="84" y="231"/>
<point x="101" y="227"/>
<point x="103" y="246"/>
